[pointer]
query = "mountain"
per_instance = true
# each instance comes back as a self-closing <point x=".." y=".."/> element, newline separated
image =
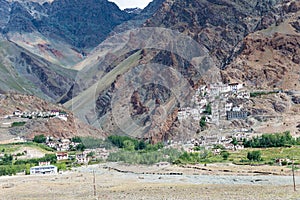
<point x="42" y="40"/>
<point x="138" y="20"/>
<point x="82" y="24"/>
<point x="219" y="25"/>
<point x="25" y="72"/>
<point x="131" y="72"/>
<point x="40" y="43"/>
<point x="221" y="28"/>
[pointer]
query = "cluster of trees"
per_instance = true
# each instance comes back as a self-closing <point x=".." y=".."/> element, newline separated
<point x="131" y="144"/>
<point x="13" y="169"/>
<point x="193" y="158"/>
<point x="10" y="167"/>
<point x="78" y="147"/>
<point x="271" y="140"/>
<point x="93" y="143"/>
<point x="208" y="109"/>
<point x="15" y="124"/>
<point x="258" y="94"/>
<point x="135" y="151"/>
<point x="145" y="158"/>
<point x="35" y="161"/>
<point x="6" y="159"/>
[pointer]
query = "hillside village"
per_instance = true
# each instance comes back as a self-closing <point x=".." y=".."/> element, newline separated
<point x="215" y="104"/>
<point x="40" y="114"/>
<point x="216" y="96"/>
<point x="18" y="117"/>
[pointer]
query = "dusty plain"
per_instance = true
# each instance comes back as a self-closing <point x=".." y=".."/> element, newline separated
<point x="117" y="181"/>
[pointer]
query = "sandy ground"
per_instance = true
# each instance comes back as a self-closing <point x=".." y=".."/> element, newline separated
<point x="110" y="184"/>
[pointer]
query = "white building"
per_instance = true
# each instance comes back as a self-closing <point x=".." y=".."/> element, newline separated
<point x="82" y="158"/>
<point x="234" y="87"/>
<point x="47" y="169"/>
<point x="62" y="156"/>
<point x="217" y="88"/>
<point x="243" y="95"/>
<point x="17" y="113"/>
<point x="237" y="108"/>
<point x="228" y="106"/>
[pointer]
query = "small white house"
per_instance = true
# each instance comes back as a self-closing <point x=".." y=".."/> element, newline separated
<point x="228" y="106"/>
<point x="45" y="163"/>
<point x="234" y="87"/>
<point x="82" y="158"/>
<point x="17" y="113"/>
<point x="243" y="95"/>
<point x="62" y="156"/>
<point x="47" y="169"/>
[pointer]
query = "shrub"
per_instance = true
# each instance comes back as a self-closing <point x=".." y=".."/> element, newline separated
<point x="39" y="139"/>
<point x="225" y="155"/>
<point x="254" y="156"/>
<point x="15" y="124"/>
<point x="202" y="122"/>
<point x="76" y="139"/>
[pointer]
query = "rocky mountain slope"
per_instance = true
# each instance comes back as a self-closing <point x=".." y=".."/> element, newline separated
<point x="135" y="82"/>
<point x="40" y="39"/>
<point x="83" y="24"/>
<point x="25" y="72"/>
<point x="222" y="28"/>
<point x="55" y="127"/>
<point x="218" y="25"/>
<point x="270" y="58"/>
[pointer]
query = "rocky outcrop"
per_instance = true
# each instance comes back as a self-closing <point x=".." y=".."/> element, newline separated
<point x="137" y="105"/>
<point x="83" y="24"/>
<point x="57" y="129"/>
<point x="218" y="25"/>
<point x="138" y="20"/>
<point x="296" y="99"/>
<point x="27" y="73"/>
<point x="267" y="62"/>
<point x="162" y="131"/>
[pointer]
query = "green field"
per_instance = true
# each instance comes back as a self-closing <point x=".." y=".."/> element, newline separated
<point x="269" y="155"/>
<point x="12" y="148"/>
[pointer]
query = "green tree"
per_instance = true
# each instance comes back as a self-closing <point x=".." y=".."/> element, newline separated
<point x="39" y="138"/>
<point x="202" y="122"/>
<point x="142" y="145"/>
<point x="76" y="139"/>
<point x="80" y="147"/>
<point x="254" y="156"/>
<point x="208" y="109"/>
<point x="129" y="145"/>
<point x="234" y="141"/>
<point x="225" y="155"/>
<point x="61" y="167"/>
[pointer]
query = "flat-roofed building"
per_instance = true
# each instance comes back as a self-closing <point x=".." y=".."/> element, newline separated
<point x="46" y="169"/>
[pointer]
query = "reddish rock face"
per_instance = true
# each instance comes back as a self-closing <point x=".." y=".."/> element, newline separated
<point x="138" y="106"/>
<point x="267" y="62"/>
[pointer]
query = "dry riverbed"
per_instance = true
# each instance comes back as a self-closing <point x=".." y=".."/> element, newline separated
<point x="116" y="181"/>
